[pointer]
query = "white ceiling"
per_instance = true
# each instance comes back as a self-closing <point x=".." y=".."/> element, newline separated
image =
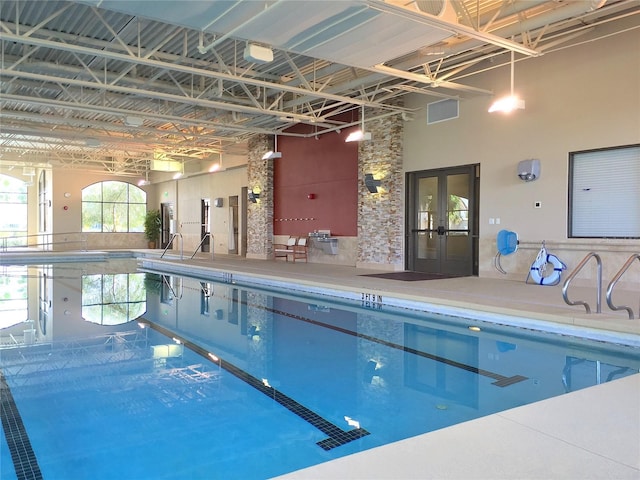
<point x="72" y="71"/>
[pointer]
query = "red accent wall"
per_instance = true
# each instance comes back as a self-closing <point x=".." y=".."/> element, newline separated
<point x="328" y="169"/>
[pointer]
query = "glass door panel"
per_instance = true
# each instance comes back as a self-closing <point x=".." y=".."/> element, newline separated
<point x="441" y="217"/>
<point x="427" y="218"/>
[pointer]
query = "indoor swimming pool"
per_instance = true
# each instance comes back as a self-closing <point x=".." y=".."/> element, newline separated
<point x="111" y="372"/>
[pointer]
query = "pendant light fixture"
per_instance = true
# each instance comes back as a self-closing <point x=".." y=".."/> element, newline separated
<point x="510" y="103"/>
<point x="359" y="135"/>
<point x="272" y="154"/>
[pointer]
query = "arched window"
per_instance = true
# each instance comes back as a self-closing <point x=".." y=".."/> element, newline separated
<point x="113" y="207"/>
<point x="13" y="204"/>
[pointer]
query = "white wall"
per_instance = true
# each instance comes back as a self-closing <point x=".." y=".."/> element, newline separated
<point x="186" y="194"/>
<point x="67" y="223"/>
<point x="581" y="98"/>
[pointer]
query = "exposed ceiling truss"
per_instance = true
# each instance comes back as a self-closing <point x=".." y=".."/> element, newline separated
<point x="75" y="73"/>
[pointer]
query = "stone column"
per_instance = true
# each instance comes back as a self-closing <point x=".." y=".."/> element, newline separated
<point x="381" y="215"/>
<point x="260" y="214"/>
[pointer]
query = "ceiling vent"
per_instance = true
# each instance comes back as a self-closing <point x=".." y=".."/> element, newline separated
<point x="437" y="8"/>
<point x="442" y="110"/>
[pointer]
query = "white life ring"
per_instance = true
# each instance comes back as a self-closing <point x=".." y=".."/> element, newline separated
<point x="554" y="277"/>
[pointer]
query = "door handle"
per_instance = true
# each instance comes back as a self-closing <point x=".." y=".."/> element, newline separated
<point x="441" y="230"/>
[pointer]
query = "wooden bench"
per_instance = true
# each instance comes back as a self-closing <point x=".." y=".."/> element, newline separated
<point x="283" y="250"/>
<point x="300" y="249"/>
<point x="296" y="248"/>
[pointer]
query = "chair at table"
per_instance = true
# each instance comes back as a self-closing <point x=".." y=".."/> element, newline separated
<point x="282" y="250"/>
<point x="300" y="249"/>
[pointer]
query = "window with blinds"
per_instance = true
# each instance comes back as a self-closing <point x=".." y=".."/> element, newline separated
<point x="604" y="193"/>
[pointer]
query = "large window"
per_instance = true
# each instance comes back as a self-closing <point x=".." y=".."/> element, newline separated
<point x="113" y="207"/>
<point x="13" y="204"/>
<point x="604" y="197"/>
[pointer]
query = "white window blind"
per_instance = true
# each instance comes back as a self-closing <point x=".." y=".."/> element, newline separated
<point x="605" y="193"/>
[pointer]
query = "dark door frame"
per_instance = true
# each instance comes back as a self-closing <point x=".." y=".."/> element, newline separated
<point x="411" y="209"/>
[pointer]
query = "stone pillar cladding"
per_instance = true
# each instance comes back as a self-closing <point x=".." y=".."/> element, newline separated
<point x="381" y="215"/>
<point x="260" y="215"/>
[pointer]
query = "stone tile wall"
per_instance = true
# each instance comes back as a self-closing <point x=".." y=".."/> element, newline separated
<point x="381" y="215"/>
<point x="260" y="215"/>
<point x="380" y="240"/>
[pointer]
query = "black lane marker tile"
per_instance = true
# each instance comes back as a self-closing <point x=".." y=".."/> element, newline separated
<point x="506" y="381"/>
<point x="22" y="454"/>
<point x="337" y="436"/>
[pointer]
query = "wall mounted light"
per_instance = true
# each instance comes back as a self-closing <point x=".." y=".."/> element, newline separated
<point x="529" y="170"/>
<point x="254" y="194"/>
<point x="371" y="183"/>
<point x="510" y="103"/>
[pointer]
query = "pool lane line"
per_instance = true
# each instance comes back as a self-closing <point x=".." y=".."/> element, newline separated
<point x="22" y="454"/>
<point x="500" y="380"/>
<point x="337" y="436"/>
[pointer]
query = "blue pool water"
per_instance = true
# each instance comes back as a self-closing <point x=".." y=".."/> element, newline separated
<point x="133" y="375"/>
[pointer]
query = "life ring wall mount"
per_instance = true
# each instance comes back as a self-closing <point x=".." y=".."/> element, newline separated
<point x="542" y="275"/>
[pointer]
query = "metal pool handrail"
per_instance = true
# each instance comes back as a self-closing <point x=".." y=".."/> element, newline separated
<point x="173" y="236"/>
<point x="572" y="275"/>
<point x="40" y="240"/>
<point x="201" y="242"/>
<point x="625" y="267"/>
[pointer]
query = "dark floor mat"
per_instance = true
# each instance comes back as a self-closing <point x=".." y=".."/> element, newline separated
<point x="410" y="276"/>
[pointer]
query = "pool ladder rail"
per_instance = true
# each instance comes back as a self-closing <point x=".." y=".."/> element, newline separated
<point x="170" y="244"/>
<point x="179" y="235"/>
<point x="625" y="267"/>
<point x="610" y="288"/>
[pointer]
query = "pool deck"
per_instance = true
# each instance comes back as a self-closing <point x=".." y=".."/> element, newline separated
<point x="592" y="433"/>
<point x="588" y="434"/>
